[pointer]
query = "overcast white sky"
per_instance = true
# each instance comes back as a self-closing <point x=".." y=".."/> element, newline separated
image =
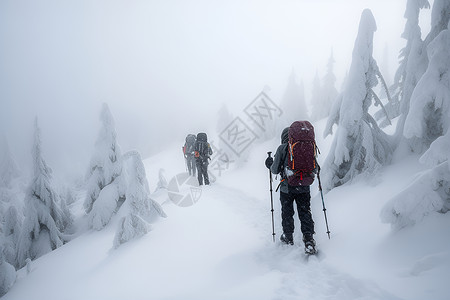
<point x="165" y="67"/>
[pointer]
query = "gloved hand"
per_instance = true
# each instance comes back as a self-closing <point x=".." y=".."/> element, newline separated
<point x="269" y="162"/>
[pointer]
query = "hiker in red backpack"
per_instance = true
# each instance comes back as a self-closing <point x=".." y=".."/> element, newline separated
<point x="203" y="152"/>
<point x="295" y="161"/>
<point x="188" y="151"/>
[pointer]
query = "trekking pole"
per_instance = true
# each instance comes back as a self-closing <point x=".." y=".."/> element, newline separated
<point x="323" y="204"/>
<point x="271" y="201"/>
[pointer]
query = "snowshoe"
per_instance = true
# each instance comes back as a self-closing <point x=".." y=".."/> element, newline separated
<point x="287" y="239"/>
<point x="310" y="245"/>
<point x="310" y="248"/>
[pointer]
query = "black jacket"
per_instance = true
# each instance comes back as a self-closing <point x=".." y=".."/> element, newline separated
<point x="279" y="163"/>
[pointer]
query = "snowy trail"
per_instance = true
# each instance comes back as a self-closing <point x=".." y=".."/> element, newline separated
<point x="219" y="248"/>
<point x="293" y="275"/>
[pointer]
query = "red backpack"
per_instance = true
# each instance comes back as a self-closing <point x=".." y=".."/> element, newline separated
<point x="301" y="154"/>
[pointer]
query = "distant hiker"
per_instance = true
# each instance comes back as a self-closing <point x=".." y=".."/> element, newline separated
<point x="202" y="152"/>
<point x="188" y="151"/>
<point x="295" y="161"/>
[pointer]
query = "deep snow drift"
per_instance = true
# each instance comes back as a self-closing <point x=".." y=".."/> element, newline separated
<point x="221" y="247"/>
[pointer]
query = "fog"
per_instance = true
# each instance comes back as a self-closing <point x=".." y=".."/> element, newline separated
<point x="165" y="67"/>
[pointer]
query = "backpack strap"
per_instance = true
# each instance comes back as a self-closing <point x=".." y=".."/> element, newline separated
<point x="283" y="162"/>
<point x="291" y="152"/>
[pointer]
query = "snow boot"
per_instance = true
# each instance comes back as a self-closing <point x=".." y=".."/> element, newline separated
<point x="310" y="244"/>
<point x="287" y="238"/>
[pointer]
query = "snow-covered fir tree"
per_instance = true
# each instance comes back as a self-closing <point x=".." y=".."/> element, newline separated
<point x="359" y="145"/>
<point x="413" y="63"/>
<point x="44" y="220"/>
<point x="440" y="16"/>
<point x="10" y="219"/>
<point x="417" y="64"/>
<point x="429" y="113"/>
<point x="429" y="122"/>
<point x="7" y="274"/>
<point x="8" y="167"/>
<point x="105" y="185"/>
<point x="326" y="95"/>
<point x="162" y="181"/>
<point x="11" y="232"/>
<point x="428" y="194"/>
<point x="141" y="210"/>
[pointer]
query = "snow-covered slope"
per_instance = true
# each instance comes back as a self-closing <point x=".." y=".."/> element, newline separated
<point x="221" y="247"/>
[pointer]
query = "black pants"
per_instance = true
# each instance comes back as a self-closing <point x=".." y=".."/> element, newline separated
<point x="303" y="201"/>
<point x="190" y="160"/>
<point x="202" y="170"/>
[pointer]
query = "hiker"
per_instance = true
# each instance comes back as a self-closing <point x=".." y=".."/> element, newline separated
<point x="295" y="185"/>
<point x="188" y="152"/>
<point x="202" y="152"/>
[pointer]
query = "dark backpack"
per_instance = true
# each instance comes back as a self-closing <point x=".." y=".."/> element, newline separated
<point x="202" y="137"/>
<point x="190" y="143"/>
<point x="202" y="148"/>
<point x="302" y="150"/>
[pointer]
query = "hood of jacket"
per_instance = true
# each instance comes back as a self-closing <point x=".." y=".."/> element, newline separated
<point x="285" y="136"/>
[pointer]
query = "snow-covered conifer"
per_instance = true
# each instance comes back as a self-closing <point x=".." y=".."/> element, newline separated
<point x="429" y="122"/>
<point x="44" y="220"/>
<point x="417" y="64"/>
<point x="141" y="209"/>
<point x="359" y="145"/>
<point x="429" y="193"/>
<point x="162" y="182"/>
<point x="429" y="114"/>
<point x="8" y="167"/>
<point x="11" y="231"/>
<point x="440" y="17"/>
<point x="106" y="163"/>
<point x="7" y="274"/>
<point x="413" y="63"/>
<point x="105" y="187"/>
<point x="10" y="220"/>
